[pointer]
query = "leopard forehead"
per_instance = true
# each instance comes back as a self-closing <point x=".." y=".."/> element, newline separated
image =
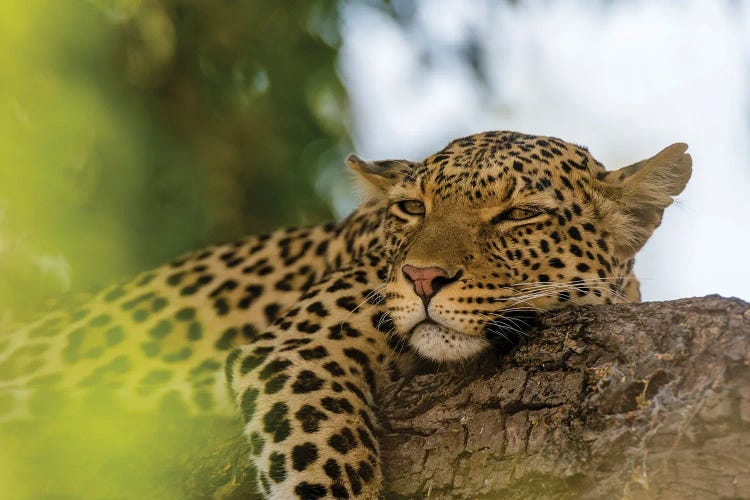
<point x="496" y="167"/>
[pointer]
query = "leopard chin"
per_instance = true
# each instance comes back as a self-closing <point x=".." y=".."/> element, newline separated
<point x="442" y="344"/>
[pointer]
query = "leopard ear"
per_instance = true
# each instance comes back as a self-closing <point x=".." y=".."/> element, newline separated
<point x="641" y="192"/>
<point x="382" y="174"/>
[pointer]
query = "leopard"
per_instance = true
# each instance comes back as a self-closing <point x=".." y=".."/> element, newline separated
<point x="297" y="331"/>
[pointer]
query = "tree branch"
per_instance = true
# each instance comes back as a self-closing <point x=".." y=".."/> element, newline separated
<point x="642" y="400"/>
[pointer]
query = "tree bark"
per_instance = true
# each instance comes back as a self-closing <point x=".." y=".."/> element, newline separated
<point x="644" y="400"/>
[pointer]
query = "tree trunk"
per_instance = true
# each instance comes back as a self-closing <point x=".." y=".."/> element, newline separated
<point x="643" y="400"/>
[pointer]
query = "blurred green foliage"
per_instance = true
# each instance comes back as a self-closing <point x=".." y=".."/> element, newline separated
<point x="110" y="456"/>
<point x="135" y="130"/>
<point x="132" y="131"/>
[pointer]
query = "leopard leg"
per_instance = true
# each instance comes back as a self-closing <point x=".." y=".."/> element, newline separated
<point x="305" y="388"/>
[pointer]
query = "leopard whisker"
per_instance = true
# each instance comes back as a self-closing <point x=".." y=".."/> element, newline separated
<point x="375" y="290"/>
<point x="514" y="323"/>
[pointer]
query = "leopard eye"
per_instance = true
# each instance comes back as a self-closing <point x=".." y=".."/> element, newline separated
<point x="522" y="213"/>
<point x="411" y="207"/>
<point x="516" y="214"/>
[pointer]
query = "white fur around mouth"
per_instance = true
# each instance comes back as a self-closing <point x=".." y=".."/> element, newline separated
<point x="438" y="343"/>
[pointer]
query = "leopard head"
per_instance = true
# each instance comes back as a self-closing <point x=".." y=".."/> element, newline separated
<point x="501" y="224"/>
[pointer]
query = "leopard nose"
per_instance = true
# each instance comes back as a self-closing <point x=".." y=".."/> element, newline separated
<point x="427" y="281"/>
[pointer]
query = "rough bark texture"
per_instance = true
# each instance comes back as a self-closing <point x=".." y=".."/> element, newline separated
<point x="644" y="401"/>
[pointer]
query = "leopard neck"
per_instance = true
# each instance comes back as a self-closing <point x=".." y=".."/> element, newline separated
<point x="358" y="236"/>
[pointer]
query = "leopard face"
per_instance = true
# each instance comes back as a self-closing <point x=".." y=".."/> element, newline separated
<point x="502" y="224"/>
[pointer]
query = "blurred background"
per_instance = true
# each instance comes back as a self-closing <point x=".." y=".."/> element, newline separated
<point x="134" y="130"/>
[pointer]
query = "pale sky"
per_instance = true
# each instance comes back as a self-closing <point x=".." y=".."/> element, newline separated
<point x="625" y="79"/>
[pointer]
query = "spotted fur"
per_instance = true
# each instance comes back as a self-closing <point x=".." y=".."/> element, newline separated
<point x="306" y="388"/>
<point x="161" y="338"/>
<point x="303" y="324"/>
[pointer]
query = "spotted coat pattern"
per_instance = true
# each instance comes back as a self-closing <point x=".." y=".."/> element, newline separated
<point x="447" y="256"/>
<point x="160" y="339"/>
